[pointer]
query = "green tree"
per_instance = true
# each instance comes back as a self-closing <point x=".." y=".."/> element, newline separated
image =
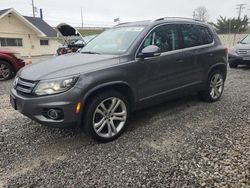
<point x="231" y="25"/>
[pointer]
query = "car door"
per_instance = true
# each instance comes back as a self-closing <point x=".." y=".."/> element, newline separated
<point x="197" y="51"/>
<point x="161" y="74"/>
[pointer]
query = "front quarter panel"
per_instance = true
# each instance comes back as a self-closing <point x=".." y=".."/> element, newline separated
<point x="124" y="73"/>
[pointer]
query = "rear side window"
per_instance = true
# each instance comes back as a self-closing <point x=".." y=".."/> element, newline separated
<point x="195" y="35"/>
<point x="165" y="37"/>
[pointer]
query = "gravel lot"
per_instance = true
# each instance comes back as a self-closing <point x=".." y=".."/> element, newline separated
<point x="182" y="143"/>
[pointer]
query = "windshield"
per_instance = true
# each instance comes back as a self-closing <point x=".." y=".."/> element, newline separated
<point x="246" y="40"/>
<point x="113" y="41"/>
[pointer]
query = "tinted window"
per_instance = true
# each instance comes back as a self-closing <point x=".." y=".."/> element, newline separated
<point x="11" y="42"/>
<point x="165" y="37"/>
<point x="195" y="35"/>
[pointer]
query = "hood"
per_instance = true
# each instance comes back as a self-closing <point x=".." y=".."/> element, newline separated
<point x="67" y="30"/>
<point x="242" y="46"/>
<point x="67" y="65"/>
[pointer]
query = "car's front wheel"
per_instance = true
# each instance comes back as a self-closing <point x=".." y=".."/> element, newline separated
<point x="214" y="87"/>
<point x="106" y="116"/>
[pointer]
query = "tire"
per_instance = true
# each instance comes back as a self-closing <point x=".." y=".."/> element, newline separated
<point x="215" y="80"/>
<point x="233" y="65"/>
<point x="106" y="125"/>
<point x="6" y="71"/>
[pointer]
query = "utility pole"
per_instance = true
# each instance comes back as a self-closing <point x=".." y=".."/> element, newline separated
<point x="33" y="8"/>
<point x="82" y="17"/>
<point x="240" y="8"/>
<point x="194" y="15"/>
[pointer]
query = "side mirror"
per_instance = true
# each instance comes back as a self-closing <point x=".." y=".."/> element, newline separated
<point x="150" y="51"/>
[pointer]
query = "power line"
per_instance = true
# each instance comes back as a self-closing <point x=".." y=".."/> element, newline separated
<point x="240" y="8"/>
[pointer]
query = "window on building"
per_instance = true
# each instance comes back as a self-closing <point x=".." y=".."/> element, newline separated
<point x="11" y="42"/>
<point x="44" y="42"/>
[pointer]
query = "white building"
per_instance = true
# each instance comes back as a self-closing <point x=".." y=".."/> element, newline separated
<point x="31" y="36"/>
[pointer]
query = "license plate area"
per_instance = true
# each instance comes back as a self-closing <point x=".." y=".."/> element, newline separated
<point x="13" y="102"/>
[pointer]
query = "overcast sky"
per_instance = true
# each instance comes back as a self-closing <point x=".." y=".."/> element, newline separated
<point x="103" y="12"/>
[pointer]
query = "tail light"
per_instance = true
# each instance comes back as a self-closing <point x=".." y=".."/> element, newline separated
<point x="226" y="51"/>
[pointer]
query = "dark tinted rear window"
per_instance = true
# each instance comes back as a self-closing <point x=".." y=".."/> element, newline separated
<point x="195" y="35"/>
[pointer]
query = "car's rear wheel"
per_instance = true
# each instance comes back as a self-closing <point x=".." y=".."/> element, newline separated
<point x="106" y="116"/>
<point x="233" y="65"/>
<point x="6" y="71"/>
<point x="214" y="87"/>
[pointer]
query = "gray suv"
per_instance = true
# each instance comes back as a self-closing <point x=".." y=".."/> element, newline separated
<point x="126" y="68"/>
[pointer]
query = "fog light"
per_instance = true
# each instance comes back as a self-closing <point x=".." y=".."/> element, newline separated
<point x="53" y="114"/>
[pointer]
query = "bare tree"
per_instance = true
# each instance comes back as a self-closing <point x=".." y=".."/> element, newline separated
<point x="201" y="13"/>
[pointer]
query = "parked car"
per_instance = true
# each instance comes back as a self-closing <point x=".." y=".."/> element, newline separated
<point x="73" y="41"/>
<point x="126" y="68"/>
<point x="74" y="45"/>
<point x="10" y="63"/>
<point x="71" y="47"/>
<point x="240" y="54"/>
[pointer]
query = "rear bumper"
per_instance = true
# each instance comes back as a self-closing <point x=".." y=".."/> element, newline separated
<point x="36" y="108"/>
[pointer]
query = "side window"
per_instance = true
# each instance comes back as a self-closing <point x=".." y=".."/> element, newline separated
<point x="195" y="35"/>
<point x="165" y="37"/>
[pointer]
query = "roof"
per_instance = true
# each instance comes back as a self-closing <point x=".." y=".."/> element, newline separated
<point x="138" y="23"/>
<point x="4" y="11"/>
<point x="160" y="21"/>
<point x="42" y="26"/>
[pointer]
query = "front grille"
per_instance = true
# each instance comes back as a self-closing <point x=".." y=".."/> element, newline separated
<point x="243" y="52"/>
<point x="25" y="86"/>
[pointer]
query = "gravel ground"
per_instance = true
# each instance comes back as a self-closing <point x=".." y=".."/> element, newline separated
<point x="182" y="143"/>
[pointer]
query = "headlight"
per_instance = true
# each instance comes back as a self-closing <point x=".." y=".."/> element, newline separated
<point x="17" y="55"/>
<point x="50" y="87"/>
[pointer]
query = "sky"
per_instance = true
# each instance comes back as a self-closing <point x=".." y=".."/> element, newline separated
<point x="103" y="12"/>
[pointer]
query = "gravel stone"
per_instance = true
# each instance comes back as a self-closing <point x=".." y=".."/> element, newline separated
<point x="181" y="143"/>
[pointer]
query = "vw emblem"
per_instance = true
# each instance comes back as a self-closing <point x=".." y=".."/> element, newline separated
<point x="15" y="82"/>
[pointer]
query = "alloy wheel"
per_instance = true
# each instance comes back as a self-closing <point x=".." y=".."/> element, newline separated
<point x="216" y="86"/>
<point x="110" y="117"/>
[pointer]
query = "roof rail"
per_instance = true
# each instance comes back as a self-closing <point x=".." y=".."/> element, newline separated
<point x="123" y="23"/>
<point x="165" y="18"/>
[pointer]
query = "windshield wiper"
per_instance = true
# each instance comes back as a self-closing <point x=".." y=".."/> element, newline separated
<point x="89" y="52"/>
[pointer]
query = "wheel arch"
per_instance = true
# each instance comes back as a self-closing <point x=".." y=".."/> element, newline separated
<point x="120" y="86"/>
<point x="221" y="67"/>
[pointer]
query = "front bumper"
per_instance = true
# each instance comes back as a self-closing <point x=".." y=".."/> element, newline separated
<point x="36" y="107"/>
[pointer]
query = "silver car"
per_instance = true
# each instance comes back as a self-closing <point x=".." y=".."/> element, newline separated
<point x="240" y="54"/>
